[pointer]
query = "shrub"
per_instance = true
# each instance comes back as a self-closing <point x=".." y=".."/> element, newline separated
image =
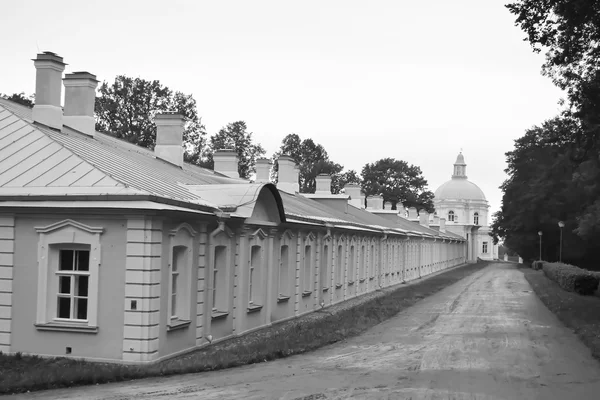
<point x="537" y="265"/>
<point x="572" y="278"/>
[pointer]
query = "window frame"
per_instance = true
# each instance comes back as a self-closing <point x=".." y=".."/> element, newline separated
<point x="485" y="248"/>
<point x="181" y="237"/>
<point x="451" y="216"/>
<point x="254" y="282"/>
<point x="221" y="236"/>
<point x="68" y="235"/>
<point x="476" y="218"/>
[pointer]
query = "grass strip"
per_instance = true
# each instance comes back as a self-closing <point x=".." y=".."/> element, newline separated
<point x="580" y="313"/>
<point x="22" y="373"/>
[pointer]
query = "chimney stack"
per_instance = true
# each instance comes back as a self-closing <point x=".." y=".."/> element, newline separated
<point x="80" y="96"/>
<point x="263" y="170"/>
<point x="412" y="214"/>
<point x="424" y="218"/>
<point x="375" y="202"/>
<point x="169" y="137"/>
<point x="357" y="198"/>
<point x="226" y="163"/>
<point x="323" y="184"/>
<point x="442" y="224"/>
<point x="48" y="84"/>
<point x="288" y="173"/>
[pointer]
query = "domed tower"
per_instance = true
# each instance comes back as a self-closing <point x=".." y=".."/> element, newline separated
<point x="465" y="208"/>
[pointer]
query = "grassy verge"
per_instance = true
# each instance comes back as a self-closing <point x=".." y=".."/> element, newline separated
<point x="580" y="313"/>
<point x="27" y="373"/>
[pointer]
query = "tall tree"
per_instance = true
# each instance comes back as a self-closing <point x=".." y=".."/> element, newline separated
<point x="20" y="98"/>
<point x="339" y="181"/>
<point x="569" y="32"/>
<point x="397" y="182"/>
<point x="126" y="109"/>
<point x="235" y="136"/>
<point x="312" y="160"/>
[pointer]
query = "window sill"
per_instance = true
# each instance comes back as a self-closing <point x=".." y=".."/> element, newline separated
<point x="387" y="274"/>
<point x="350" y="283"/>
<point x="177" y="324"/>
<point x="362" y="280"/>
<point x="326" y="289"/>
<point x="65" y="327"/>
<point x="371" y="278"/>
<point x="306" y="293"/>
<point x="219" y="315"/>
<point x="338" y="285"/>
<point x="283" y="299"/>
<point x="254" y="308"/>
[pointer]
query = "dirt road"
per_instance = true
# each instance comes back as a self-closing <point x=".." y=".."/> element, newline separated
<point x="486" y="337"/>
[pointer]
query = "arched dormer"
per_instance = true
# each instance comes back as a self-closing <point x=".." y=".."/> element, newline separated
<point x="268" y="206"/>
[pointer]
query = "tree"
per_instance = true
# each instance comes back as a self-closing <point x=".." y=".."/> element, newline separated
<point x="312" y="160"/>
<point x="20" y="99"/>
<point x="339" y="181"/>
<point x="397" y="182"/>
<point x="126" y="109"/>
<point x="569" y="32"/>
<point x="541" y="191"/>
<point x="236" y="137"/>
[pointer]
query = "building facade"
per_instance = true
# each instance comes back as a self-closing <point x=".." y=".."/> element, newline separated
<point x="113" y="252"/>
<point x="466" y="210"/>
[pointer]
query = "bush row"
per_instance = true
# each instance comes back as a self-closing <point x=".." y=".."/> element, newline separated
<point x="571" y="278"/>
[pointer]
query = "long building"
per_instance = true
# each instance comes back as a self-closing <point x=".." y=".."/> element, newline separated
<point x="113" y="252"/>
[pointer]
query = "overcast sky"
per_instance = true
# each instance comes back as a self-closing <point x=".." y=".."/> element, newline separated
<point x="413" y="80"/>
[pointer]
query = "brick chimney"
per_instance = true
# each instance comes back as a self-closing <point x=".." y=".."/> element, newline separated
<point x="80" y="96"/>
<point x="263" y="170"/>
<point x="226" y="163"/>
<point x="323" y="184"/>
<point x="288" y="174"/>
<point x="48" y="85"/>
<point x="169" y="137"/>
<point x="357" y="198"/>
<point x="424" y="218"/>
<point x="375" y="202"/>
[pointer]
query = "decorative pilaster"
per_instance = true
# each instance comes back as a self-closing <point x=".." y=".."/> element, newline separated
<point x="142" y="289"/>
<point x="202" y="314"/>
<point x="7" y="249"/>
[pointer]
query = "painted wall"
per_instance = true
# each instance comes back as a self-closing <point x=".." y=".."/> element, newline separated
<point x="107" y="342"/>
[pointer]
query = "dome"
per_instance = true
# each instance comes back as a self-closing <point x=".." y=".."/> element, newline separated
<point x="459" y="189"/>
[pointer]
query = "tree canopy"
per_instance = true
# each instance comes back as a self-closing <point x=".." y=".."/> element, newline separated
<point x="235" y="136"/>
<point x="312" y="160"/>
<point x="20" y="98"/>
<point x="555" y="168"/>
<point x="126" y="109"/>
<point x="397" y="182"/>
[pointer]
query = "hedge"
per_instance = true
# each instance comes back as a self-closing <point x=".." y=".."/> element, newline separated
<point x="572" y="278"/>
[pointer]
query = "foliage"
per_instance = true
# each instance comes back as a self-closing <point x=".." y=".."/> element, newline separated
<point x="312" y="160"/>
<point x="569" y="32"/>
<point x="572" y="278"/>
<point x="235" y="136"/>
<point x="339" y="181"/>
<point x="397" y="182"/>
<point x="541" y="191"/>
<point x="20" y="99"/>
<point x="126" y="109"/>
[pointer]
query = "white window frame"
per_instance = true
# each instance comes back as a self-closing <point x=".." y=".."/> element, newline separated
<point x="307" y="273"/>
<point x="68" y="235"/>
<point x="284" y="282"/>
<point x="222" y="236"/>
<point x="256" y="292"/>
<point x="451" y="216"/>
<point x="485" y="248"/>
<point x="476" y="218"/>
<point x="182" y="236"/>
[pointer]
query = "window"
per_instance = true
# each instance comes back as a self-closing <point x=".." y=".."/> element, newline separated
<point x="339" y="262"/>
<point x="372" y="261"/>
<point x="254" y="280"/>
<point x="451" y="216"/>
<point x="351" y="263"/>
<point x="284" y="268"/>
<point x="306" y="271"/>
<point x="476" y="218"/>
<point x="179" y="271"/>
<point x="73" y="283"/>
<point x="219" y="283"/>
<point x="67" y="287"/>
<point x="324" y="276"/>
<point x="361" y="268"/>
<point x="485" y="247"/>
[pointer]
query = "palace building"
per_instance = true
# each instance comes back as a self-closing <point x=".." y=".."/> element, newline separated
<point x="114" y="252"/>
